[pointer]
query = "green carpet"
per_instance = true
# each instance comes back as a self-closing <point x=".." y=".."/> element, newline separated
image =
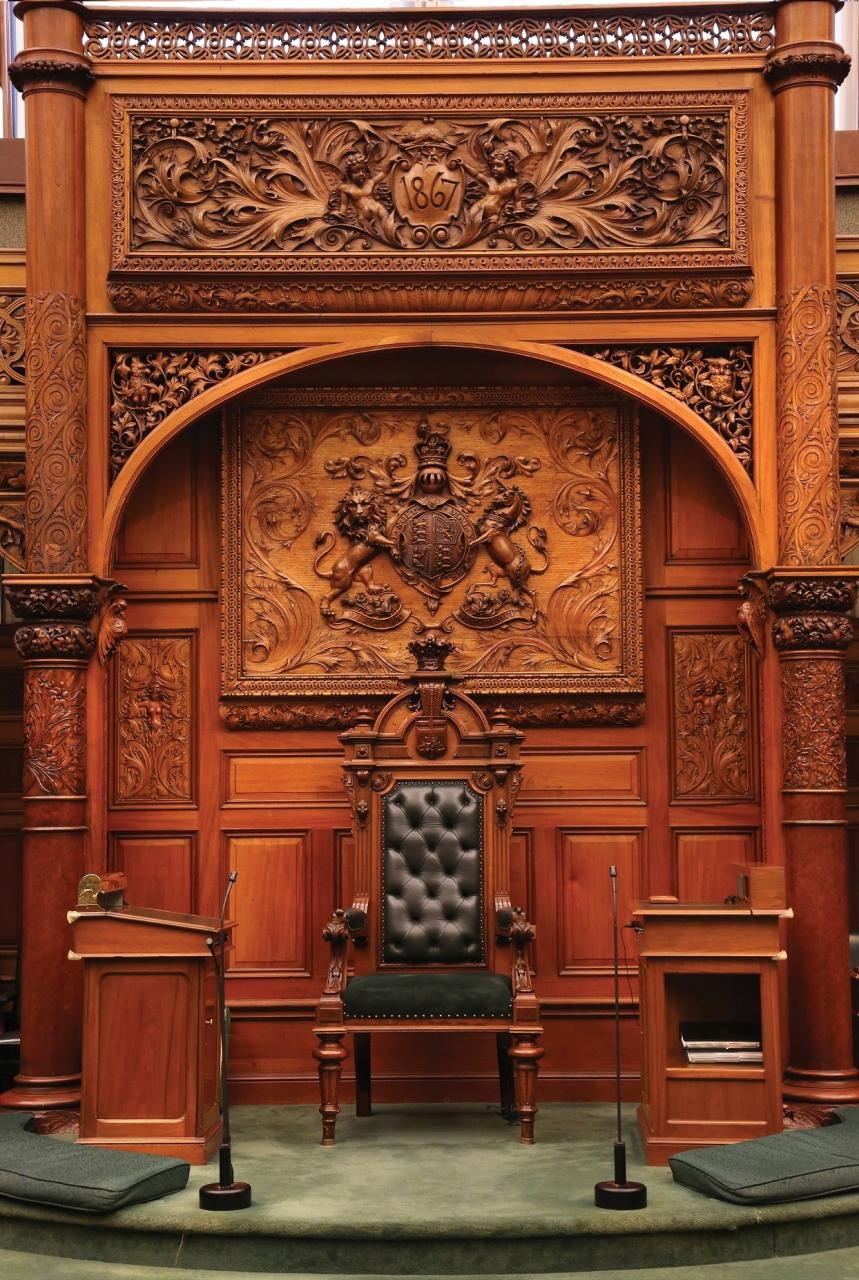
<point x="438" y="1190"/>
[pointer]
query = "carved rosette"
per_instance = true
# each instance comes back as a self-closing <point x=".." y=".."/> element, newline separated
<point x="56" y="434"/>
<point x="808" y="427"/>
<point x="54" y="731"/>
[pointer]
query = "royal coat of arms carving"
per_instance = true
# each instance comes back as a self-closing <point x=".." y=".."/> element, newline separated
<point x="513" y="530"/>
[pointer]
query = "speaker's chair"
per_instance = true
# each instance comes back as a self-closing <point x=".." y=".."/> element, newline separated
<point x="431" y="785"/>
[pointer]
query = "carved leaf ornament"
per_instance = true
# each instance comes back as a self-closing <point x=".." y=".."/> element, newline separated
<point x="153" y="719"/>
<point x="711" y="716"/>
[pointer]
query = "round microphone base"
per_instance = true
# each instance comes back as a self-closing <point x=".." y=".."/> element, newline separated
<point x="620" y="1195"/>
<point x="236" y="1196"/>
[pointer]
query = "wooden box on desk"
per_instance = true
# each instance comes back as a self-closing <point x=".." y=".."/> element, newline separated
<point x="703" y="963"/>
<point x="151" y="1047"/>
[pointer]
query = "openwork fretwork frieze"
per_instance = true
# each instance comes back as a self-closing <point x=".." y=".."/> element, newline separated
<point x="507" y="183"/>
<point x="12" y="323"/>
<point x="511" y="528"/>
<point x="400" y="37"/>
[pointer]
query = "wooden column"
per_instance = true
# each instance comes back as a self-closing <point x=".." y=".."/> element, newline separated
<point x="56" y="596"/>
<point x="811" y="592"/>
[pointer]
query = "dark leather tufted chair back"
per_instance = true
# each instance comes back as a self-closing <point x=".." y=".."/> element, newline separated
<point x="432" y="874"/>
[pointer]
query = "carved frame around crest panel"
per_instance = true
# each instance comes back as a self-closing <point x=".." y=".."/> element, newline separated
<point x="629" y="680"/>
<point x="415" y="263"/>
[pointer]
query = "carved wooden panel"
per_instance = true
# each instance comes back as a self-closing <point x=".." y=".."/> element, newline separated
<point x="704" y="862"/>
<point x="703" y="524"/>
<point x="515" y="530"/>
<point x="397" y="37"/>
<point x="161" y="869"/>
<point x="271" y="902"/>
<point x="146" y="538"/>
<point x="12" y="324"/>
<point x="584" y="892"/>
<point x="508" y="184"/>
<point x="712" y="728"/>
<point x="256" y="778"/>
<point x="153" y="717"/>
<point x="583" y="776"/>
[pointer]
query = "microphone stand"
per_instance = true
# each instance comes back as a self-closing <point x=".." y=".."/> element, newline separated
<point x="618" y="1194"/>
<point x="226" y="1193"/>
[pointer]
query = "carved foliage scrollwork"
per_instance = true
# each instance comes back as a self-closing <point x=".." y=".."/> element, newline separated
<point x="715" y="383"/>
<point x="712" y="750"/>
<point x="847" y="321"/>
<point x="587" y="179"/>
<point x="12" y="336"/>
<point x="814" y="749"/>
<point x="153" y="715"/>
<point x="468" y="294"/>
<point x="54" y="732"/>
<point x="146" y="386"/>
<point x="808" y="427"/>
<point x="56" y="433"/>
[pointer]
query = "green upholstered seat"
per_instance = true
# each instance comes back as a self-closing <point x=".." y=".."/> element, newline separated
<point x="465" y="994"/>
<point x="69" y="1176"/>
<point x="798" y="1165"/>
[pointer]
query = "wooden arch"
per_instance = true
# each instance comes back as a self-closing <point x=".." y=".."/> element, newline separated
<point x="737" y="479"/>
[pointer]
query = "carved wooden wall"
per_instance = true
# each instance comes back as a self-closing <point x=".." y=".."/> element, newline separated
<point x="671" y="799"/>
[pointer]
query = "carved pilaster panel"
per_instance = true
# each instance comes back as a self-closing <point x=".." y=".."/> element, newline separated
<point x="153" y="713"/>
<point x="712" y="724"/>
<point x="56" y="434"/>
<point x="12" y="329"/>
<point x="814" y="750"/>
<point x="54" y="731"/>
<point x="808" y="427"/>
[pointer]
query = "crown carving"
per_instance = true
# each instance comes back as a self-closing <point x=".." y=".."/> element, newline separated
<point x="432" y="447"/>
<point x="432" y="653"/>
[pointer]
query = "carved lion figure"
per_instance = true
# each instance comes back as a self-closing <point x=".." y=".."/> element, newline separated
<point x="360" y="518"/>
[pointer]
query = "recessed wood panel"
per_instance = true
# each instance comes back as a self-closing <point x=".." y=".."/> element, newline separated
<point x="131" y="1007"/>
<point x="584" y="892"/>
<point x="270" y="902"/>
<point x="10" y="878"/>
<point x="703" y="522"/>
<point x="160" y="869"/>
<point x="704" y="863"/>
<point x="154" y="722"/>
<point x="160" y="525"/>
<point x="712" y="723"/>
<point x="251" y="778"/>
<point x="583" y="777"/>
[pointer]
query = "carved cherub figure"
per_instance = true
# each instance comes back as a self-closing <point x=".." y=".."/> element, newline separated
<point x="500" y="193"/>
<point x="367" y="193"/>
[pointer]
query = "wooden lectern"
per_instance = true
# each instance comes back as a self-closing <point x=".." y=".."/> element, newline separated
<point x="709" y="964"/>
<point x="151" y="1048"/>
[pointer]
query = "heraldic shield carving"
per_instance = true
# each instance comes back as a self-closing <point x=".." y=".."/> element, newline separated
<point x="513" y="529"/>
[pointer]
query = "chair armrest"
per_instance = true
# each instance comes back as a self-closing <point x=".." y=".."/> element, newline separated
<point x="343" y="927"/>
<point x="513" y="927"/>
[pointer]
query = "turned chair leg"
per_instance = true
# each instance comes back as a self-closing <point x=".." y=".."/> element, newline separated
<point x="363" y="1101"/>
<point x="503" y="1041"/>
<point x="330" y="1055"/>
<point x="526" y="1053"/>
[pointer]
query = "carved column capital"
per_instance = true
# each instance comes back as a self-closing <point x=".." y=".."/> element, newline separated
<point x="830" y="593"/>
<point x="35" y="69"/>
<point x="58" y="640"/>
<point x="819" y="62"/>
<point x="43" y="598"/>
<point x="812" y="631"/>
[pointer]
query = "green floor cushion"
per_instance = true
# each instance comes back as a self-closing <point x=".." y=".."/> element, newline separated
<point x="798" y="1165"/>
<point x="69" y="1176"/>
<point x="429" y="995"/>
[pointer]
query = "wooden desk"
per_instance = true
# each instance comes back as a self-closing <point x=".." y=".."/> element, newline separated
<point x="707" y="963"/>
<point x="151" y="1048"/>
